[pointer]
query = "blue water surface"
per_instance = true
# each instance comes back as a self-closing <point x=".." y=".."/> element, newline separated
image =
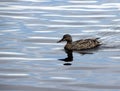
<point x="29" y="52"/>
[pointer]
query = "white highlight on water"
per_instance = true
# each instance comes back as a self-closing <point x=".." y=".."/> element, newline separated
<point x="12" y="53"/>
<point x="35" y="37"/>
<point x="23" y="58"/>
<point x="14" y="74"/>
<point x="63" y="78"/>
<point x="82" y="1"/>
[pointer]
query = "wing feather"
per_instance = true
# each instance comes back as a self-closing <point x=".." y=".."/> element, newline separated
<point x="84" y="44"/>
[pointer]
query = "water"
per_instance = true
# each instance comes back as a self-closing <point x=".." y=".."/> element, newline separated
<point x="29" y="54"/>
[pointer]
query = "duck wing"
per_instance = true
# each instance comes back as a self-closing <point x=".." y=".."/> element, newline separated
<point x="85" y="44"/>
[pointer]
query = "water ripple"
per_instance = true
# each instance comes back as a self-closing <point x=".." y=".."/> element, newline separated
<point x="76" y="1"/>
<point x="117" y="57"/>
<point x="95" y="86"/>
<point x="22" y="58"/>
<point x="16" y="74"/>
<point x="62" y="78"/>
<point x="35" y="0"/>
<point x="78" y="16"/>
<point x="12" y="53"/>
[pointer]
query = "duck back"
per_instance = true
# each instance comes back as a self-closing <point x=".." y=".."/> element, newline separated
<point x="85" y="44"/>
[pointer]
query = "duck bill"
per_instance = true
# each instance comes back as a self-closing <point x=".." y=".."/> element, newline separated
<point x="60" y="40"/>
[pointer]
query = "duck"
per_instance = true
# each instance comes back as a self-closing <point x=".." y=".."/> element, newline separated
<point x="78" y="45"/>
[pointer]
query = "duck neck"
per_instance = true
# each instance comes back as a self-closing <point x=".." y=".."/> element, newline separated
<point x="69" y="41"/>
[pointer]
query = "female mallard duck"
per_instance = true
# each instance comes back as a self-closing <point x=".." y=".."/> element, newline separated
<point x="79" y="44"/>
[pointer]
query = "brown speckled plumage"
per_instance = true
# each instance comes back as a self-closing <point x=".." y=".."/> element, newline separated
<point x="80" y="44"/>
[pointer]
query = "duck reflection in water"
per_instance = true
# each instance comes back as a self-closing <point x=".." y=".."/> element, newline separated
<point x="69" y="53"/>
<point x="83" y="46"/>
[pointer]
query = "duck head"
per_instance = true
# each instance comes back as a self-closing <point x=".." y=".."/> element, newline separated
<point x="66" y="37"/>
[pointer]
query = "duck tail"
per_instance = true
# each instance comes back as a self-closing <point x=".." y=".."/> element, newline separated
<point x="97" y="38"/>
<point x="100" y="43"/>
